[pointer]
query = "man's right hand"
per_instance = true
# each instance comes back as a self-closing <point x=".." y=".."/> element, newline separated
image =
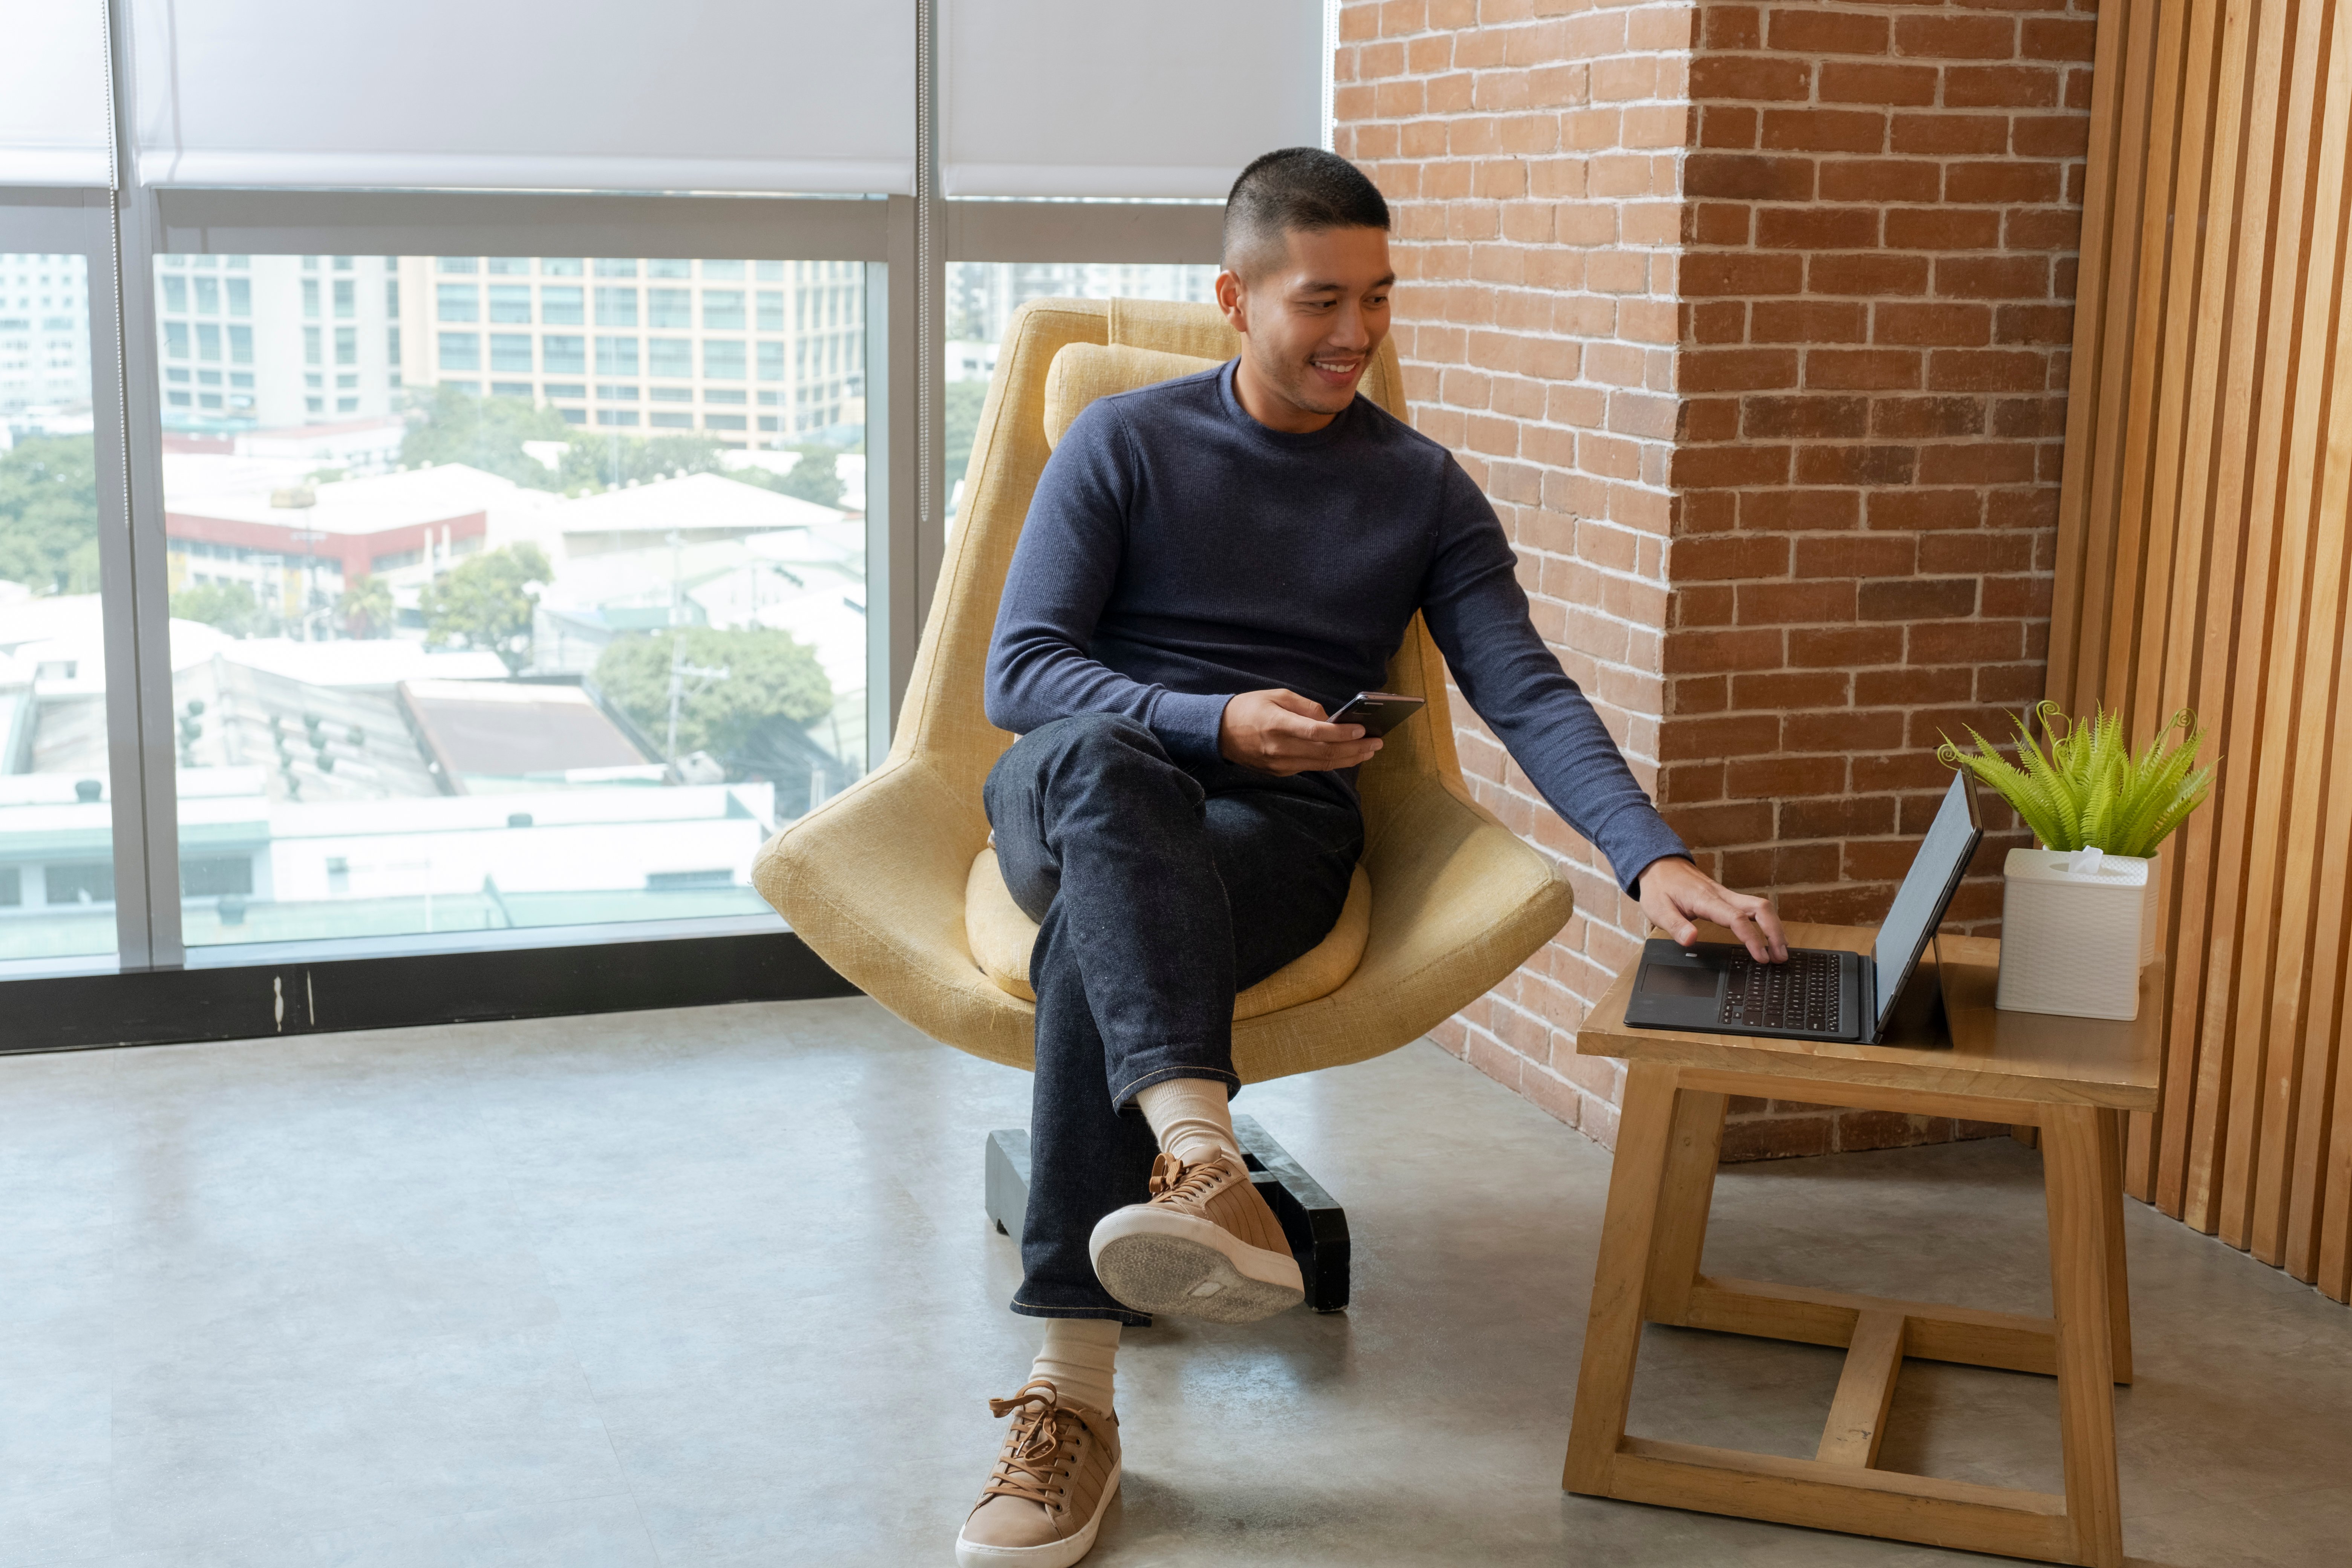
<point x="1282" y="732"/>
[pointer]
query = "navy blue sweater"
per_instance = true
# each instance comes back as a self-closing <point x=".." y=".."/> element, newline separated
<point x="1177" y="552"/>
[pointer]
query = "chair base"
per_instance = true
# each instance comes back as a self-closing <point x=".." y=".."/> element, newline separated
<point x="1312" y="1222"/>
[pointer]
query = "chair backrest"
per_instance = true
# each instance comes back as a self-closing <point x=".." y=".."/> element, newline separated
<point x="943" y="722"/>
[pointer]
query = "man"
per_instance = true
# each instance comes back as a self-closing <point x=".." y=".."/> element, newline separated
<point x="1209" y="565"/>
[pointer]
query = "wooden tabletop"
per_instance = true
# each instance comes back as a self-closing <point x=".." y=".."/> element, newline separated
<point x="2013" y="1055"/>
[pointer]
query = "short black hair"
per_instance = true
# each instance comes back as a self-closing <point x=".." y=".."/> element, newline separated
<point x="1295" y="188"/>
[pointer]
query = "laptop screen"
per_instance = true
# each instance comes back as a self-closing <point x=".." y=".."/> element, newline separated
<point x="1928" y="888"/>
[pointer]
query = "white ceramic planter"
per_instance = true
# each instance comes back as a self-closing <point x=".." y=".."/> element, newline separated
<point x="2075" y="935"/>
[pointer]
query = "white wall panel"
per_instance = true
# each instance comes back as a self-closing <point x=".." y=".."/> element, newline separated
<point x="694" y="95"/>
<point x="1123" y="97"/>
<point x="53" y="129"/>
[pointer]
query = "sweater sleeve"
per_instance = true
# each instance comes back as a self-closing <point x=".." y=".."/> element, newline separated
<point x="1478" y="614"/>
<point x="1062" y="573"/>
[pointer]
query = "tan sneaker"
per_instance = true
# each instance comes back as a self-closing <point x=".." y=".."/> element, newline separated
<point x="1205" y="1246"/>
<point x="1054" y="1478"/>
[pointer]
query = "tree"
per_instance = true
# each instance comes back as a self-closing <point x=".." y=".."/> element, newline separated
<point x="48" y="515"/>
<point x="962" y="413"/>
<point x="484" y="433"/>
<point x="768" y="675"/>
<point x="366" y="609"/>
<point x="229" y="606"/>
<point x="594" y="460"/>
<point x="815" y="478"/>
<point x="487" y="603"/>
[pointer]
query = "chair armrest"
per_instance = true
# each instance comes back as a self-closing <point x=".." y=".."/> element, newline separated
<point x="1458" y="902"/>
<point x="874" y="880"/>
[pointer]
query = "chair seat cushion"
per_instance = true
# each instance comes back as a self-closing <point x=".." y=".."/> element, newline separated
<point x="1002" y="937"/>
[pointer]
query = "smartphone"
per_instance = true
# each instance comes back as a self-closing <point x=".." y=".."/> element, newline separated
<point x="1377" y="711"/>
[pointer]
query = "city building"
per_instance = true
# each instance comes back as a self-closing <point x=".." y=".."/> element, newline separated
<point x="277" y="342"/>
<point x="751" y="353"/>
<point x="44" y="332"/>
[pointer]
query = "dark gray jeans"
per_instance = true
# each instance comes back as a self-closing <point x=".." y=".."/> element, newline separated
<point x="1160" y="892"/>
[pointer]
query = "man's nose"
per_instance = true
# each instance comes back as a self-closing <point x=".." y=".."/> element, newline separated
<point x="1350" y="331"/>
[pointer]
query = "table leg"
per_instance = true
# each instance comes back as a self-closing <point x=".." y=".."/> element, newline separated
<point x="1612" y="1331"/>
<point x="2074" y="1172"/>
<point x="1693" y="1147"/>
<point x="2111" y="1201"/>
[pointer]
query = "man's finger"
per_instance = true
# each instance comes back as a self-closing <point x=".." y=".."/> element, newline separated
<point x="1767" y="920"/>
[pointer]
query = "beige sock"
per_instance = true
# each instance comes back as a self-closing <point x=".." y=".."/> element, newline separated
<point x="1077" y="1358"/>
<point x="1192" y="1117"/>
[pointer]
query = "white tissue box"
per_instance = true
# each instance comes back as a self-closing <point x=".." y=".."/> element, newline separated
<point x="2076" y="928"/>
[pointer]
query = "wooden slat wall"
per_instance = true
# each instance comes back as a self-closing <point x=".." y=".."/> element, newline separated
<point x="2202" y="562"/>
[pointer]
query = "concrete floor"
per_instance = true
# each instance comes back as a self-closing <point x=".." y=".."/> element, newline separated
<point x="715" y="1288"/>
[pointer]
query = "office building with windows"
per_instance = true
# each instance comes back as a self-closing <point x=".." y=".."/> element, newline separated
<point x="750" y="353"/>
<point x="44" y="332"/>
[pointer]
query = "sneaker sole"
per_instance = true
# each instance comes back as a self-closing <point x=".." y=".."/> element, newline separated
<point x="1154" y="1261"/>
<point x="1051" y="1554"/>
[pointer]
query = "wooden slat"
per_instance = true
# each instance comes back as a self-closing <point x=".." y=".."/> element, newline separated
<point x="1693" y="1147"/>
<point x="1858" y="1419"/>
<point x="1836" y="1496"/>
<point x="2204" y="560"/>
<point x="1806" y="1314"/>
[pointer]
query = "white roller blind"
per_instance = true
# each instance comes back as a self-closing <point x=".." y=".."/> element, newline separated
<point x="711" y="95"/>
<point x="53" y="129"/>
<point x="1123" y="97"/>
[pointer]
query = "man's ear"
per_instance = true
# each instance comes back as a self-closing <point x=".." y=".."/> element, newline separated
<point x="1233" y="299"/>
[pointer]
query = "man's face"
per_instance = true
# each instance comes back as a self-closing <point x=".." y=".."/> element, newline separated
<point x="1310" y="323"/>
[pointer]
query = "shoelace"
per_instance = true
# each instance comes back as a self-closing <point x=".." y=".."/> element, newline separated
<point x="1171" y="1177"/>
<point x="1042" y="1450"/>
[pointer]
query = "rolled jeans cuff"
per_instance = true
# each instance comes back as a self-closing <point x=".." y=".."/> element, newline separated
<point x="1144" y="1080"/>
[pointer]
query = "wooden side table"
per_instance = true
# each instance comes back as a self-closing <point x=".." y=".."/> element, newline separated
<point x="2073" y="1078"/>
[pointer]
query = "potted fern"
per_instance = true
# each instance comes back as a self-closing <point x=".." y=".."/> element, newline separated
<point x="2079" y="913"/>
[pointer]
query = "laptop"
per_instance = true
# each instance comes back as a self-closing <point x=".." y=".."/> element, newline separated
<point x="1818" y="994"/>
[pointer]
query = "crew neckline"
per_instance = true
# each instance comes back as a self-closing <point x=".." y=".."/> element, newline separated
<point x="1293" y="439"/>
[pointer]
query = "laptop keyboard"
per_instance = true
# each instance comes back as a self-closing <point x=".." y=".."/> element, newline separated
<point x="1801" y="994"/>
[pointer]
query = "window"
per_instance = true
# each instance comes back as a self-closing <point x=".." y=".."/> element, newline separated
<point x="723" y="395"/>
<point x="672" y="394"/>
<point x="175" y="339"/>
<point x="175" y="293"/>
<point x="461" y="351"/>
<point x="511" y="352"/>
<point x="509" y="266"/>
<point x="669" y="307"/>
<point x="722" y="421"/>
<point x="671" y="421"/>
<point x="564" y="389"/>
<point x="617" y="269"/>
<point x="724" y="272"/>
<point x="346" y="303"/>
<point x="457" y="264"/>
<point x="240" y="348"/>
<point x="346" y="381"/>
<point x="310" y="350"/>
<point x="392" y="297"/>
<point x="207" y="295"/>
<point x="617" y="416"/>
<point x="458" y="302"/>
<point x="208" y="341"/>
<point x="772" y="310"/>
<point x="240" y="296"/>
<point x="310" y="298"/>
<point x="772" y="362"/>
<point x="510" y="303"/>
<point x="722" y="359"/>
<point x="563" y="355"/>
<point x="560" y="305"/>
<point x="617" y="307"/>
<point x="769" y="271"/>
<point x="670" y="356"/>
<point x="509" y="388"/>
<point x="617" y="356"/>
<point x="616" y="395"/>
<point x="567" y="267"/>
<point x="722" y="310"/>
<point x="669" y="267"/>
<point x="347" y="345"/>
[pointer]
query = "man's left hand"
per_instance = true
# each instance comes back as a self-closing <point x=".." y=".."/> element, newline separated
<point x="1677" y="895"/>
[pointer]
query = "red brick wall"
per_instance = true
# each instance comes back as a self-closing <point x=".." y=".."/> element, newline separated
<point x="1753" y="320"/>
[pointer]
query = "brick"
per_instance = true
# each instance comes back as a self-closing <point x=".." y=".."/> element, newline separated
<point x="1731" y="27"/>
<point x="2001" y="87"/>
<point x="2034" y="324"/>
<point x="1863" y="555"/>
<point x="1737" y="369"/>
<point x="2006" y="180"/>
<point x="1922" y="510"/>
<point x="1856" y="465"/>
<point x="2050" y="135"/>
<point x="1893" y="86"/>
<point x="1845" y="648"/>
<point x="1863" y="369"/>
<point x="1709" y="652"/>
<point x="1987" y="370"/>
<point x="1795" y="510"/>
<point x="1779" y="690"/>
<point x="1919" y="418"/>
<point x="1808" y="321"/>
<point x="1801" y="418"/>
<point x="1816" y="229"/>
<point x="2057" y="38"/>
<point x="1873" y="274"/>
<point x="1945" y="135"/>
<point x="1932" y="326"/>
<point x="1977" y="463"/>
<point x="1740" y="273"/>
<point x="1918" y="599"/>
<point x="1956" y="37"/>
<point x="1823" y="131"/>
<point x="1737" y="78"/>
<point x="1811" y="32"/>
<point x="1941" y="228"/>
<point x="1794" y="604"/>
<point x="1748" y="177"/>
<point x="1728" y="125"/>
<point x="1837" y="818"/>
<point x="1993" y="276"/>
<point x="1880" y="180"/>
<point x="1719" y="468"/>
